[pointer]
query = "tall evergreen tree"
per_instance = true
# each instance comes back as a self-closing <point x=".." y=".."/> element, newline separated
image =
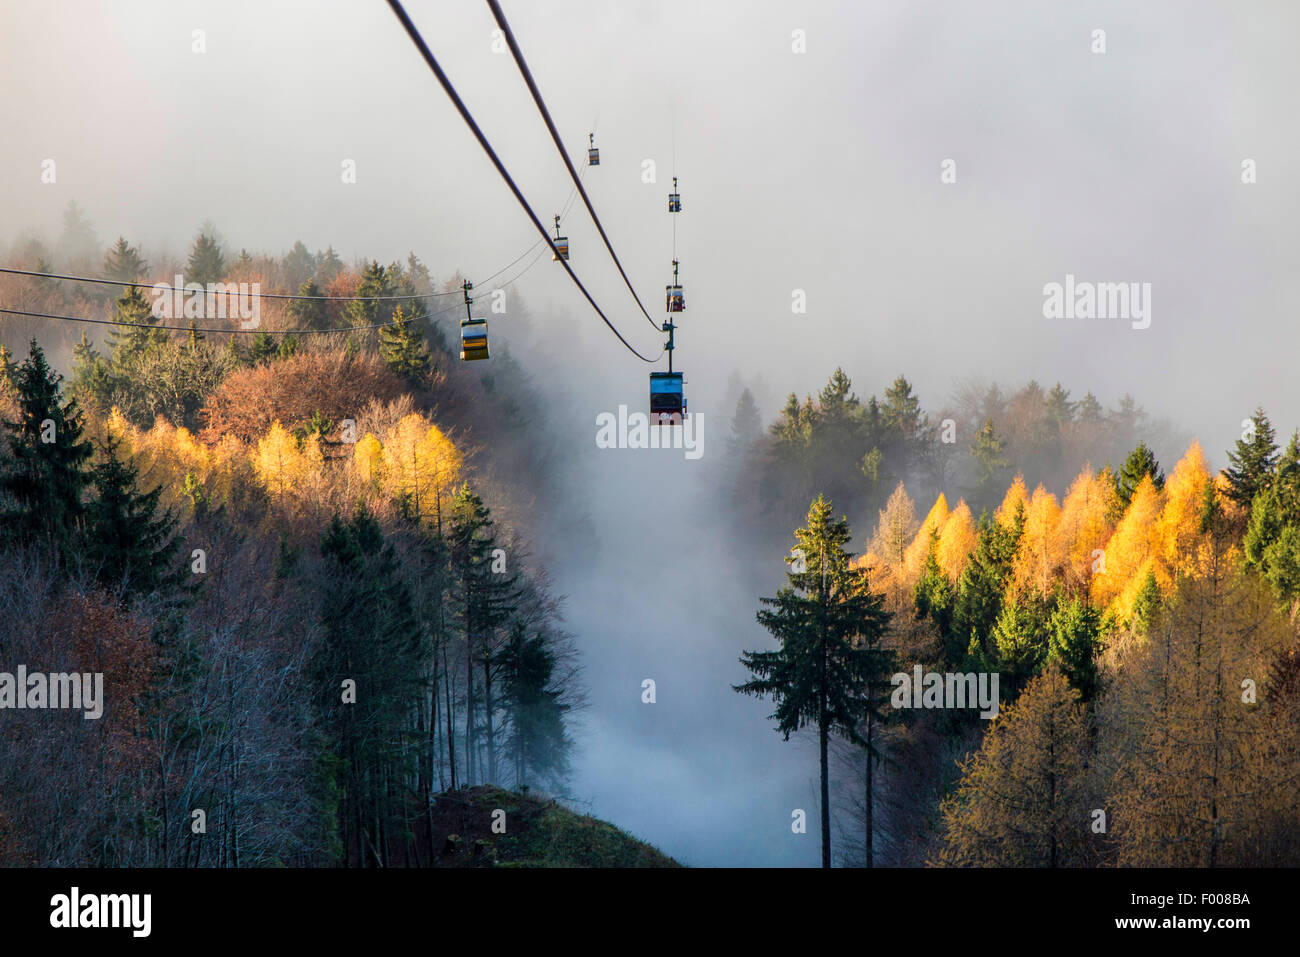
<point x="990" y="462"/>
<point x="537" y="742"/>
<point x="746" y="426"/>
<point x="402" y="346"/>
<point x="829" y="666"/>
<point x="1252" y="460"/>
<point x="129" y="544"/>
<point x="207" y="263"/>
<point x="124" y="262"/>
<point x="1141" y="462"/>
<point x="43" y="482"/>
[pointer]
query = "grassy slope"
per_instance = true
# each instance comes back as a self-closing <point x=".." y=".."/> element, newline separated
<point x="539" y="833"/>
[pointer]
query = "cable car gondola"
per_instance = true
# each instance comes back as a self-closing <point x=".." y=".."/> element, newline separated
<point x="561" y="244"/>
<point x="667" y="404"/>
<point x="473" y="332"/>
<point x="593" y="154"/>
<point x="676" y="300"/>
<point x="674" y="199"/>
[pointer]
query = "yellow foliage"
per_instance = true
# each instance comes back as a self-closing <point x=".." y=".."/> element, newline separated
<point x="919" y="550"/>
<point x="1177" y="533"/>
<point x="421" y="463"/>
<point x="1017" y="495"/>
<point x="368" y="459"/>
<point x="1083" y="527"/>
<point x="1130" y="546"/>
<point x="1040" y="556"/>
<point x="279" y="462"/>
<point x="956" y="541"/>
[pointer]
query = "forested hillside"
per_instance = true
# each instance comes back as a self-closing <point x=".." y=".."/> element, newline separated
<point x="1142" y="625"/>
<point x="300" y="561"/>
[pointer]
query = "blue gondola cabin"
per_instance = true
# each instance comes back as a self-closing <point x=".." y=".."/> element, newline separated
<point x="667" y="404"/>
<point x="674" y="202"/>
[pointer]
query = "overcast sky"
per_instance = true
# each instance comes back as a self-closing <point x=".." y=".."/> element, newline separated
<point x="817" y="171"/>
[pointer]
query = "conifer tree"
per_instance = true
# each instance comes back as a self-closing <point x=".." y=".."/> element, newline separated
<point x="124" y="262"/>
<point x="829" y="670"/>
<point x="1141" y="462"/>
<point x="402" y="346"/>
<point x="129" y="544"/>
<point x="1252" y="461"/>
<point x="44" y="479"/>
<point x="1025" y="797"/>
<point x="746" y="426"/>
<point x="207" y="263"/>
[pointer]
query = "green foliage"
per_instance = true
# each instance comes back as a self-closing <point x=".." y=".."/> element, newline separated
<point x="1141" y="463"/>
<point x="207" y="263"/>
<point x="129" y="546"/>
<point x="1252" y="461"/>
<point x="402" y="346"/>
<point x="978" y="603"/>
<point x="124" y="262"/>
<point x="991" y="463"/>
<point x="44" y="478"/>
<point x="1074" y="643"/>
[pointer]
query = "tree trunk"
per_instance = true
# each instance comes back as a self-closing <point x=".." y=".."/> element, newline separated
<point x="871" y="793"/>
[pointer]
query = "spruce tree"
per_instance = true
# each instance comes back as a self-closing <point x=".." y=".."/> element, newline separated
<point x="124" y="262"/>
<point x="402" y="346"/>
<point x="1140" y="463"/>
<point x="130" y="545"/>
<point x="746" y="426"/>
<point x="1252" y="461"/>
<point x="206" y="263"/>
<point x="829" y="668"/>
<point x="43" y="482"/>
<point x="537" y="742"/>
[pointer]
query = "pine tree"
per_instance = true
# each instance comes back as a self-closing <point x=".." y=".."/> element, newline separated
<point x="262" y="349"/>
<point x="124" y="262"/>
<point x="129" y="544"/>
<point x="829" y="668"/>
<point x="1074" y="644"/>
<point x="206" y="263"/>
<point x="746" y="426"/>
<point x="310" y="313"/>
<point x="402" y="346"/>
<point x="1252" y="461"/>
<point x="990" y="462"/>
<point x="45" y="477"/>
<point x="484" y="601"/>
<point x="1141" y="462"/>
<point x="537" y="741"/>
<point x="1059" y="407"/>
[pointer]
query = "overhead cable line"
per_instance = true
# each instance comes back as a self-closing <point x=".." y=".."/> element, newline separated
<point x="559" y="145"/>
<point x="465" y="114"/>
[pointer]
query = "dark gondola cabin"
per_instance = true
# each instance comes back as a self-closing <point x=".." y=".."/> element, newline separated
<point x="473" y="339"/>
<point x="593" y="154"/>
<point x="674" y="202"/>
<point x="667" y="405"/>
<point x="676" y="300"/>
<point x="561" y="244"/>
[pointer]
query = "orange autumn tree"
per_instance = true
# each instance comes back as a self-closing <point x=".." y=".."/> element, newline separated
<point x="1083" y="527"/>
<point x="956" y="541"/>
<point x="916" y="554"/>
<point x="1129" y="547"/>
<point x="1040" y="560"/>
<point x="1176" y="537"/>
